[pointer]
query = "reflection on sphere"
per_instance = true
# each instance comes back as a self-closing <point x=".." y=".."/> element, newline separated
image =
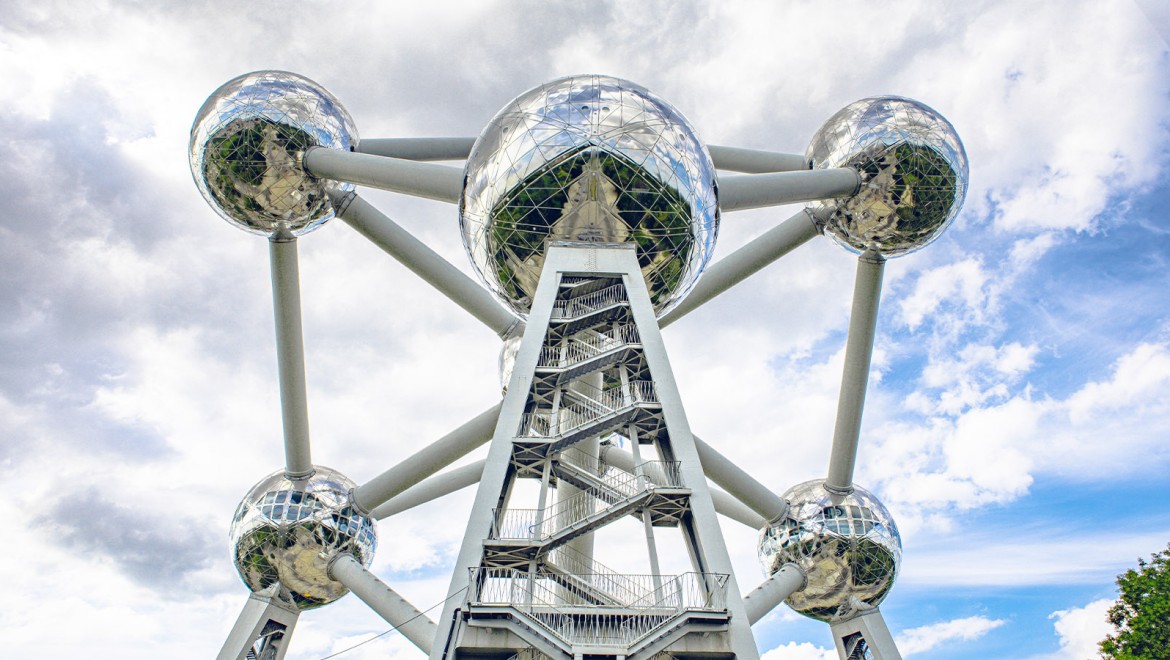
<point x="588" y="159"/>
<point x="247" y="146"/>
<point x="287" y="531"/>
<point x="850" y="552"/>
<point x="913" y="175"/>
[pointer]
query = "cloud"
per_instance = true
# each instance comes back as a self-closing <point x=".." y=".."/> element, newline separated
<point x="930" y="637"/>
<point x="799" y="651"/>
<point x="962" y="284"/>
<point x="977" y="374"/>
<point x="984" y="441"/>
<point x="1081" y="629"/>
<point x="1007" y="556"/>
<point x="152" y="549"/>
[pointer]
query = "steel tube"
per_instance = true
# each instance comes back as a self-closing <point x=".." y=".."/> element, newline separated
<point x="754" y="161"/>
<point x="752" y="191"/>
<point x="424" y="262"/>
<point x="764" y="598"/>
<point x="430" y="489"/>
<point x="744" y="262"/>
<point x="429" y="180"/>
<point x="867" y="291"/>
<point x="726" y="505"/>
<point x="420" y="149"/>
<point x="406" y="618"/>
<point x="427" y="461"/>
<point x="740" y="484"/>
<point x="290" y="355"/>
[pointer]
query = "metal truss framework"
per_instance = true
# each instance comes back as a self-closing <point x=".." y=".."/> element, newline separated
<point x="591" y="363"/>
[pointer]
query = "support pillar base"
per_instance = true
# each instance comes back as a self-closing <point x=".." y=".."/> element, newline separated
<point x="263" y="628"/>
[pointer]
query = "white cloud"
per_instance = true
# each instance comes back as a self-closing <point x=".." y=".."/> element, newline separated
<point x="979" y="373"/>
<point x="1004" y="555"/>
<point x="799" y="651"/>
<point x="993" y="449"/>
<point x="930" y="637"/>
<point x="963" y="283"/>
<point x="1134" y="390"/>
<point x="1081" y="629"/>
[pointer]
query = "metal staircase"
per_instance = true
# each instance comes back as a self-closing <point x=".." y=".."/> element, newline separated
<point x="584" y="629"/>
<point x="535" y="586"/>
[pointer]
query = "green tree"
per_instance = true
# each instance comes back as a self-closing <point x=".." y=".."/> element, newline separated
<point x="1142" y="613"/>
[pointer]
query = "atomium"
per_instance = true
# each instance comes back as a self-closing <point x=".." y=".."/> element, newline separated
<point x="913" y="175"/>
<point x="247" y="146"/>
<point x="287" y="532"/>
<point x="589" y="162"/>
<point x="849" y="550"/>
<point x="589" y="159"/>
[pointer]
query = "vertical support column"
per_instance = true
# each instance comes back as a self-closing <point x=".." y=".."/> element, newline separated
<point x="262" y="629"/>
<point x="290" y="355"/>
<point x="864" y="634"/>
<point x="582" y="546"/>
<point x="541" y="504"/>
<point x="867" y="291"/>
<point x="589" y="449"/>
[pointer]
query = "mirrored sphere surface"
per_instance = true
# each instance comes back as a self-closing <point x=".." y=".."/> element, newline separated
<point x="591" y="159"/>
<point x="913" y="174"/>
<point x="247" y="146"/>
<point x="287" y="531"/>
<point x="850" y="552"/>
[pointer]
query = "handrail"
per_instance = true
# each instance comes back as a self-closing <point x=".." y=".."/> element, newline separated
<point x="601" y="402"/>
<point x="590" y="302"/>
<point x="662" y="474"/>
<point x="578" y="349"/>
<point x="542" y="524"/>
<point x="585" y="624"/>
<point x="617" y="586"/>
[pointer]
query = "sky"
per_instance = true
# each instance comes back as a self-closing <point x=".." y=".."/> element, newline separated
<point x="1017" y="420"/>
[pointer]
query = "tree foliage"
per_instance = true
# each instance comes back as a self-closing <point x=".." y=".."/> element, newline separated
<point x="1141" y="615"/>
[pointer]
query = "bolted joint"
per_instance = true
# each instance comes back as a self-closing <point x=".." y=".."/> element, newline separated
<point x="352" y="501"/>
<point x="282" y="235"/>
<point x="782" y="515"/>
<point x="301" y="475"/>
<point x="803" y="574"/>
<point x="872" y="256"/>
<point x="333" y="560"/>
<point x="838" y="490"/>
<point x="514" y="330"/>
<point x="860" y="181"/>
<point x="341" y="201"/>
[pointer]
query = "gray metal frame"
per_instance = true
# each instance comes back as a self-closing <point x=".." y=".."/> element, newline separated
<point x="706" y="538"/>
<point x="265" y="624"/>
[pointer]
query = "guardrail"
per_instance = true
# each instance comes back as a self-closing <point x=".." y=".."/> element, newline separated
<point x="541" y="598"/>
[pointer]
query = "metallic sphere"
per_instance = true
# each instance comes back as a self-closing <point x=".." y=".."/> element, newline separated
<point x="287" y="531"/>
<point x="913" y="175"/>
<point x="849" y="551"/>
<point x="592" y="159"/>
<point x="247" y="146"/>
